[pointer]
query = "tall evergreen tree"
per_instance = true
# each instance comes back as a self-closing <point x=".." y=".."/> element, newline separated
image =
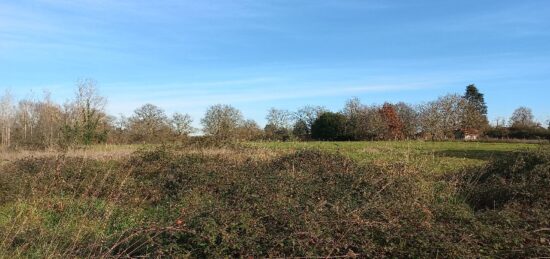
<point x="475" y="110"/>
<point x="475" y="98"/>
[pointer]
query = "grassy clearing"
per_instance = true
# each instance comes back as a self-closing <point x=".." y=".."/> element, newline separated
<point x="431" y="156"/>
<point x="366" y="199"/>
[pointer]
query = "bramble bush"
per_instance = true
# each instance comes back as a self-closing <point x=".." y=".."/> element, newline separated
<point x="200" y="202"/>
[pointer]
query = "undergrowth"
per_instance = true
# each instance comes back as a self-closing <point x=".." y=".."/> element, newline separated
<point x="172" y="202"/>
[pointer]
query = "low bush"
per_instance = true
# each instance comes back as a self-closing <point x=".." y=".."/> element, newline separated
<point x="521" y="177"/>
<point x="512" y="203"/>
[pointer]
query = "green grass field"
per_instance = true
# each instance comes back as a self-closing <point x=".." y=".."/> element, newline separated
<point x="431" y="156"/>
<point x="278" y="199"/>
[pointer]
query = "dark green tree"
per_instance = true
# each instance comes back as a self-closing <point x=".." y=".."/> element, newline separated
<point x="474" y="115"/>
<point x="329" y="126"/>
<point x="475" y="98"/>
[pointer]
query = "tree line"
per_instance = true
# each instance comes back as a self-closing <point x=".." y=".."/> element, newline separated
<point x="42" y="123"/>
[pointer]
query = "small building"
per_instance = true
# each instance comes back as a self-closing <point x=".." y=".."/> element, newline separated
<point x="471" y="134"/>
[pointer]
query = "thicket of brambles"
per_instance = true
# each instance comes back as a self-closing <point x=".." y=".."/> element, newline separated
<point x="83" y="120"/>
<point x="199" y="202"/>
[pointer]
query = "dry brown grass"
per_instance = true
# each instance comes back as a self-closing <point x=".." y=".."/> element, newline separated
<point x="102" y="152"/>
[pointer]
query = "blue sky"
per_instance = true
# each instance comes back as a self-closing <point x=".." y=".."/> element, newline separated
<point x="185" y="55"/>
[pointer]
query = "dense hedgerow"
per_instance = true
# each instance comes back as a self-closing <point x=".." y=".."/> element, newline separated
<point x="307" y="203"/>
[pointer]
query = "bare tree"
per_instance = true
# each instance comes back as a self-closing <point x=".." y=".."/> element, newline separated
<point x="149" y="124"/>
<point x="24" y="119"/>
<point x="181" y="124"/>
<point x="442" y="118"/>
<point x="249" y="130"/>
<point x="500" y="122"/>
<point x="473" y="119"/>
<point x="122" y="122"/>
<point x="376" y="124"/>
<point x="356" y="116"/>
<point x="50" y="121"/>
<point x="409" y="117"/>
<point x="90" y="109"/>
<point x="280" y="119"/>
<point x="306" y="116"/>
<point x="523" y="118"/>
<point x="7" y="113"/>
<point x="353" y="107"/>
<point x="83" y="116"/>
<point x="119" y="133"/>
<point x="278" y="125"/>
<point x="222" y="121"/>
<point x="26" y="123"/>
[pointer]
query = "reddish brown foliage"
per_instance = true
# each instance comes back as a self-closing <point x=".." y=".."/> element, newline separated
<point x="395" y="125"/>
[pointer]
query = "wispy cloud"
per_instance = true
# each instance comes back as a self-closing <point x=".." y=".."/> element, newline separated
<point x="185" y="98"/>
<point x="195" y="103"/>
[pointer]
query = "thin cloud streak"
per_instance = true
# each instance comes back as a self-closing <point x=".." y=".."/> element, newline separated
<point x="205" y="99"/>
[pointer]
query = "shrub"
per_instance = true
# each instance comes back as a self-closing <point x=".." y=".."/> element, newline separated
<point x="522" y="177"/>
<point x="512" y="203"/>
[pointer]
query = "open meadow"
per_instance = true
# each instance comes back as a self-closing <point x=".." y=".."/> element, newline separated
<point x="278" y="199"/>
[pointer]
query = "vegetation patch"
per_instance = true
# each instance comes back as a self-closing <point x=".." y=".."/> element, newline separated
<point x="201" y="202"/>
<point x="519" y="177"/>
